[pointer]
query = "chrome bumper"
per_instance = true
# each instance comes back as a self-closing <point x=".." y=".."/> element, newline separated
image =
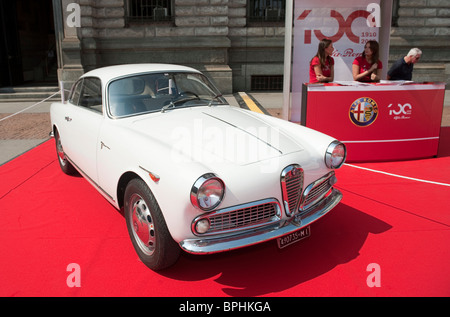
<point x="214" y="245"/>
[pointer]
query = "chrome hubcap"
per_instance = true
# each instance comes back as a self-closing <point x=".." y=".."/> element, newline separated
<point x="142" y="224"/>
<point x="61" y="155"/>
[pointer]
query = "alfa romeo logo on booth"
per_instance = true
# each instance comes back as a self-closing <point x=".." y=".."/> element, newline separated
<point x="363" y="112"/>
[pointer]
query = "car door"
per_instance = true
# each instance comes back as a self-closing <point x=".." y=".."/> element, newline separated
<point x="83" y="122"/>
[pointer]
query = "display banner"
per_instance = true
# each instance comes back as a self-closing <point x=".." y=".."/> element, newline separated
<point x="349" y="24"/>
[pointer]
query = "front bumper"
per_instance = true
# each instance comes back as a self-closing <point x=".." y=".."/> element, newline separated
<point x="210" y="245"/>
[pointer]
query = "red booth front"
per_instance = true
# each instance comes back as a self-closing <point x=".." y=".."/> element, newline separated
<point x="377" y="122"/>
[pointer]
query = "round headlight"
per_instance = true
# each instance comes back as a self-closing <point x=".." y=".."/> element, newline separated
<point x="207" y="192"/>
<point x="335" y="155"/>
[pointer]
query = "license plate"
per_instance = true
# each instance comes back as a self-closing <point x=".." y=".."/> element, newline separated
<point x="293" y="237"/>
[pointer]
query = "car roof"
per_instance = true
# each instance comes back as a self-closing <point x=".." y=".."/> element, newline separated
<point x="110" y="72"/>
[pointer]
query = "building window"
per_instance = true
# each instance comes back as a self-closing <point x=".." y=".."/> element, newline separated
<point x="265" y="11"/>
<point x="267" y="82"/>
<point x="149" y="10"/>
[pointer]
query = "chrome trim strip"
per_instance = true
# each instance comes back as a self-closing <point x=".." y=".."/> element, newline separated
<point x="245" y="131"/>
<point x="394" y="140"/>
<point x="248" y="238"/>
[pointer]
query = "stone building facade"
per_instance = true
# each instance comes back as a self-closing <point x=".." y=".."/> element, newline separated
<point x="424" y="24"/>
<point x="238" y="43"/>
<point x="213" y="36"/>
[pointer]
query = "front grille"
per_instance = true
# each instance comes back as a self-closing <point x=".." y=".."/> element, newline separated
<point x="244" y="217"/>
<point x="291" y="186"/>
<point x="314" y="192"/>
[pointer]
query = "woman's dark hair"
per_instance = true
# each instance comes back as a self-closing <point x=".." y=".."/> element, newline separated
<point x="375" y="48"/>
<point x="323" y="44"/>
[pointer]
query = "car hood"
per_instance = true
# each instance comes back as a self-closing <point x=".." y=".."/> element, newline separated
<point x="215" y="133"/>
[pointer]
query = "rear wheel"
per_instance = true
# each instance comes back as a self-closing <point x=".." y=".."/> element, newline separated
<point x="147" y="229"/>
<point x="64" y="163"/>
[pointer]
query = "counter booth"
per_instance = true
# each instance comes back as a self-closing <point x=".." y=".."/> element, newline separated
<point x="379" y="121"/>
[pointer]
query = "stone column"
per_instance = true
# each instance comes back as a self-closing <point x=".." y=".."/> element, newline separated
<point x="68" y="44"/>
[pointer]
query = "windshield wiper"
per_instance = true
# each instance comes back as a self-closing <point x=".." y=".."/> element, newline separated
<point x="170" y="105"/>
<point x="173" y="103"/>
<point x="214" y="98"/>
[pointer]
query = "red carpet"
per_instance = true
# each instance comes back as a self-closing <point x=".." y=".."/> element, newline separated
<point x="50" y="220"/>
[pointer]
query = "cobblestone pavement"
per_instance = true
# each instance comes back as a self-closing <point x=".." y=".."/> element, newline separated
<point x="28" y="129"/>
<point x="25" y="126"/>
<point x="20" y="132"/>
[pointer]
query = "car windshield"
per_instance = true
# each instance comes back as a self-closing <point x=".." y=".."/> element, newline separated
<point x="160" y="92"/>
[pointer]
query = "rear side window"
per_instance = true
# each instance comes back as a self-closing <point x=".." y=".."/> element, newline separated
<point x="74" y="97"/>
<point x="87" y="93"/>
<point x="91" y="94"/>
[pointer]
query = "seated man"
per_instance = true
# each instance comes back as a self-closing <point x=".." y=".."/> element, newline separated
<point x="402" y="69"/>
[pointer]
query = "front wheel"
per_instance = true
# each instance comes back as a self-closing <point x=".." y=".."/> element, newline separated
<point x="147" y="229"/>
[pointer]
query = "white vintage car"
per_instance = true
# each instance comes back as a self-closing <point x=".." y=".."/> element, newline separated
<point x="190" y="171"/>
